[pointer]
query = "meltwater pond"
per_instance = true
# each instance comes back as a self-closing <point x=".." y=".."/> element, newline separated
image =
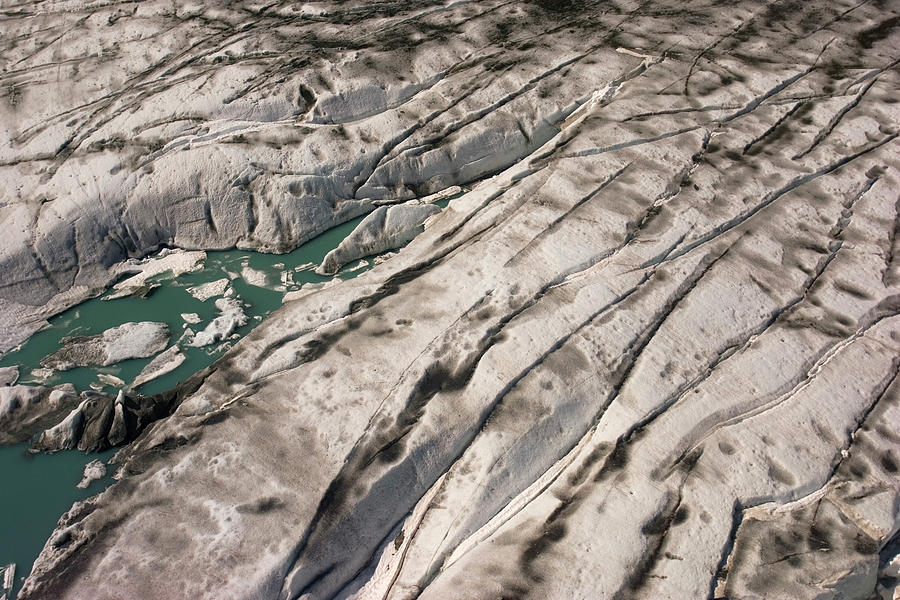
<point x="35" y="490"/>
<point x="259" y="282"/>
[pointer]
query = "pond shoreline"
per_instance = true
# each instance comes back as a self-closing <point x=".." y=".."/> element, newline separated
<point x="28" y="516"/>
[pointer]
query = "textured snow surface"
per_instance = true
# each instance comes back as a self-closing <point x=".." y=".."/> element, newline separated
<point x="386" y="228"/>
<point x="652" y="350"/>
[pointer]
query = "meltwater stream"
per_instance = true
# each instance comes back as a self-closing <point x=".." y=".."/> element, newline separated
<point x="36" y="489"/>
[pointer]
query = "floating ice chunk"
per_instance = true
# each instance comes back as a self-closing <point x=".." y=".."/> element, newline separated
<point x="7" y="578"/>
<point x="131" y="340"/>
<point x="360" y="265"/>
<point x="287" y="278"/>
<point x="176" y="262"/>
<point x="111" y="380"/>
<point x="254" y="277"/>
<point x="205" y="291"/>
<point x="41" y="375"/>
<point x="165" y="362"/>
<point x="93" y="471"/>
<point x="231" y="316"/>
